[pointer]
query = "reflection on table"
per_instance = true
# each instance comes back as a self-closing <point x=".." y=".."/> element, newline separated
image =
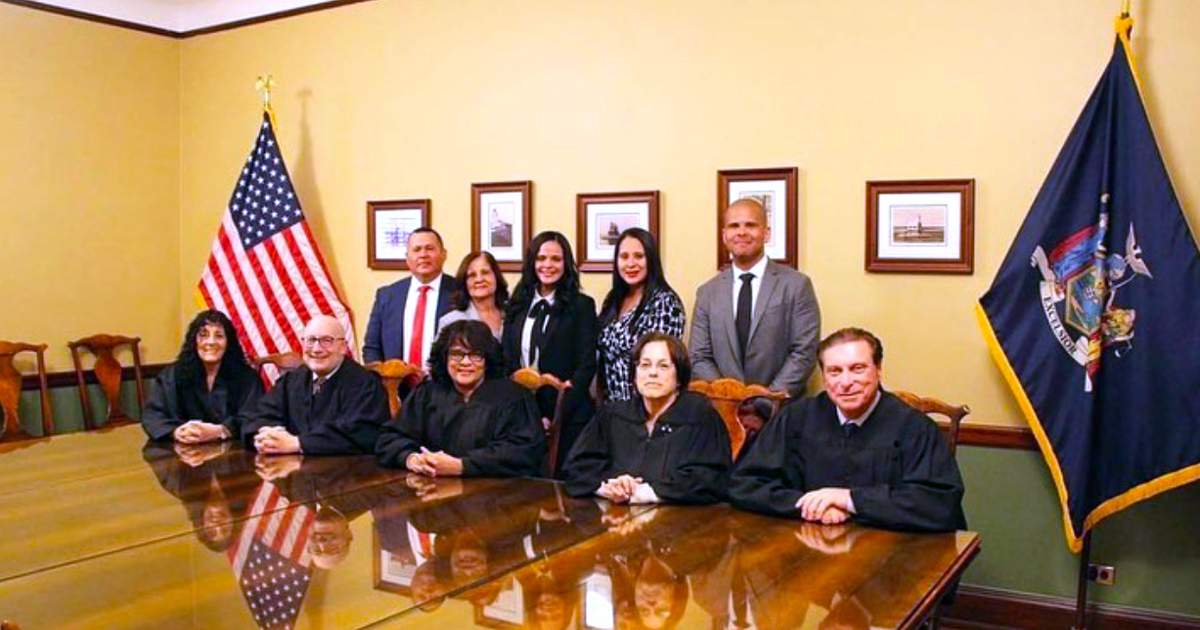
<point x="215" y="537"/>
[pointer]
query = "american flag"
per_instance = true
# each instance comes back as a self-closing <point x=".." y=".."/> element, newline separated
<point x="265" y="271"/>
<point x="271" y="559"/>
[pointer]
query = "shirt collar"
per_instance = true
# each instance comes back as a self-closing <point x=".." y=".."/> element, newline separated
<point x="549" y="299"/>
<point x="843" y="420"/>
<point x="329" y="375"/>
<point x="759" y="269"/>
<point x="432" y="284"/>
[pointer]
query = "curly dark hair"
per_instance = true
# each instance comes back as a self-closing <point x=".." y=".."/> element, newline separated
<point x="678" y="352"/>
<point x="567" y="288"/>
<point x="462" y="298"/>
<point x="473" y="336"/>
<point x="188" y="366"/>
<point x="656" y="281"/>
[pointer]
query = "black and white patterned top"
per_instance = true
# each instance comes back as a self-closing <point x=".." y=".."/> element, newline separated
<point x="663" y="313"/>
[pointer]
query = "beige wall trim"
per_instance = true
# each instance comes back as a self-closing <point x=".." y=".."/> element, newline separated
<point x="979" y="608"/>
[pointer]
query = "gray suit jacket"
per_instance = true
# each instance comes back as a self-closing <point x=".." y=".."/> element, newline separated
<point x="784" y="331"/>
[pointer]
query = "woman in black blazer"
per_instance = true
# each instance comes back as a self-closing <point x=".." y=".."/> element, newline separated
<point x="551" y="326"/>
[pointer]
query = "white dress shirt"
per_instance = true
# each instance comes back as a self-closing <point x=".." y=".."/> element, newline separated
<point x="410" y="315"/>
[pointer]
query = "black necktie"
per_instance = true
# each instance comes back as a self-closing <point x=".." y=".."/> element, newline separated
<point x="538" y="313"/>
<point x="850" y="428"/>
<point x="744" y="307"/>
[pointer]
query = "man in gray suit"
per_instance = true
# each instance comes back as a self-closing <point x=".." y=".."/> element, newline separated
<point x="756" y="321"/>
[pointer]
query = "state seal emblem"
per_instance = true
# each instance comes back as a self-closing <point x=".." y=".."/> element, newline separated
<point x="1078" y="290"/>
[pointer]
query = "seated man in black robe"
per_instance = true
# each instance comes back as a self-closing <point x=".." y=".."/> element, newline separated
<point x="467" y="419"/>
<point x="328" y="406"/>
<point x="854" y="451"/>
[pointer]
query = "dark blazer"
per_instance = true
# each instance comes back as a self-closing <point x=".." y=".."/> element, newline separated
<point x="385" y="328"/>
<point x="568" y="352"/>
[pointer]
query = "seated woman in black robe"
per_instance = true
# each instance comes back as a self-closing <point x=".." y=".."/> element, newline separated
<point x="467" y="419"/>
<point x="204" y="395"/>
<point x="664" y="444"/>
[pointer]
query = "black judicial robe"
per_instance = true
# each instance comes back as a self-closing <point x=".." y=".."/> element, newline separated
<point x="898" y="468"/>
<point x="172" y="402"/>
<point x="686" y="460"/>
<point x="496" y="433"/>
<point x="343" y="419"/>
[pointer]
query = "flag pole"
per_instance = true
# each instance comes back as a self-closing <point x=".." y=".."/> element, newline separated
<point x="264" y="84"/>
<point x="1081" y="597"/>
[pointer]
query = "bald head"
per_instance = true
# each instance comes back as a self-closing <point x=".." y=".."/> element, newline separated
<point x="324" y="342"/>
<point x="745" y="232"/>
<point x="751" y="204"/>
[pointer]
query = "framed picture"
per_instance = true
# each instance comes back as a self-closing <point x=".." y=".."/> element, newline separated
<point x="601" y="219"/>
<point x="775" y="189"/>
<point x="502" y="220"/>
<point x="506" y="611"/>
<point x="388" y="225"/>
<point x="921" y="226"/>
<point x="394" y="572"/>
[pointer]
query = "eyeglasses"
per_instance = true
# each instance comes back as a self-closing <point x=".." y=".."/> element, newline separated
<point x="458" y="356"/>
<point x="324" y="342"/>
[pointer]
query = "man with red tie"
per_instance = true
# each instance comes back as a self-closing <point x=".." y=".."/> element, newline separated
<point x="405" y="314"/>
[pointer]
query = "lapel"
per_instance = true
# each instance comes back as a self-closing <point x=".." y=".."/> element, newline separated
<point x="765" y="290"/>
<point x="725" y="312"/>
<point x="558" y="312"/>
<point x="446" y="290"/>
<point x="398" y="322"/>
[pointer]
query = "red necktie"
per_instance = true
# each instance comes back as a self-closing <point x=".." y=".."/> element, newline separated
<point x="418" y="329"/>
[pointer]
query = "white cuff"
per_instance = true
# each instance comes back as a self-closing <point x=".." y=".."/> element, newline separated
<point x="644" y="494"/>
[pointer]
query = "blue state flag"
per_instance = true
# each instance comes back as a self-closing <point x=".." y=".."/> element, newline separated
<point x="1094" y="316"/>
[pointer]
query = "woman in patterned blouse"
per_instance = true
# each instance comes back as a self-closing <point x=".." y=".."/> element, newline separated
<point x="640" y="301"/>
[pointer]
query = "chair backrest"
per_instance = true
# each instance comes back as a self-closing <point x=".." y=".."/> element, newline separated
<point x="108" y="373"/>
<point x="393" y="372"/>
<point x="533" y="380"/>
<point x="10" y="390"/>
<point x="726" y="395"/>
<point x="928" y="406"/>
<point x="282" y="361"/>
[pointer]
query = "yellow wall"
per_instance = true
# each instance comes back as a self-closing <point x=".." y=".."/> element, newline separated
<point x="89" y="169"/>
<point x="399" y="99"/>
<point x="116" y="139"/>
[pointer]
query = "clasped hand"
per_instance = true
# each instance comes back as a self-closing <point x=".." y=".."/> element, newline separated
<point x="827" y="505"/>
<point x="197" y="431"/>
<point x="619" y="489"/>
<point x="434" y="464"/>
<point x="276" y="440"/>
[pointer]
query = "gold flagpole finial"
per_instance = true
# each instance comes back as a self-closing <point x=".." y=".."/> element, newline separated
<point x="1124" y="23"/>
<point x="265" y="83"/>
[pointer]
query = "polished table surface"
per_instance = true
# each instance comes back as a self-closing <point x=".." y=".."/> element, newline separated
<point x="103" y="532"/>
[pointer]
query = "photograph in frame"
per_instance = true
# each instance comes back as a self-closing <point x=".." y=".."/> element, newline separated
<point x="388" y="225"/>
<point x="501" y="220"/>
<point x="602" y="217"/>
<point x="776" y="190"/>
<point x="924" y="226"/>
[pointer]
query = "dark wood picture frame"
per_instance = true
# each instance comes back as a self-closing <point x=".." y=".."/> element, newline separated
<point x="938" y="237"/>
<point x="508" y="246"/>
<point x="395" y="216"/>
<point x="782" y="179"/>
<point x="590" y="256"/>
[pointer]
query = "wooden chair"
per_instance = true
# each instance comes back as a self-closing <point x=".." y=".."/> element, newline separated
<point x="726" y="394"/>
<point x="108" y="372"/>
<point x="930" y="406"/>
<point x="10" y="390"/>
<point x="282" y="362"/>
<point x="955" y="415"/>
<point x="8" y="624"/>
<point x="393" y="372"/>
<point x="533" y="380"/>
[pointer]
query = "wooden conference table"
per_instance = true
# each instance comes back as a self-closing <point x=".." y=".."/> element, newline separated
<point x="104" y="531"/>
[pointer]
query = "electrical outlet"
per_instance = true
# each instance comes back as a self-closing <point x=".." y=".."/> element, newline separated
<point x="1103" y="574"/>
